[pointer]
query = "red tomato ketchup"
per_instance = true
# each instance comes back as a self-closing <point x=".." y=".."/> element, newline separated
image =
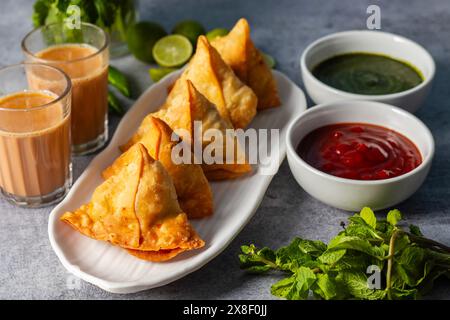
<point x="359" y="151"/>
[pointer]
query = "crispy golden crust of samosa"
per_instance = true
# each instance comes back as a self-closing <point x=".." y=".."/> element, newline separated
<point x="185" y="105"/>
<point x="235" y="101"/>
<point x="136" y="208"/>
<point x="192" y="187"/>
<point x="239" y="52"/>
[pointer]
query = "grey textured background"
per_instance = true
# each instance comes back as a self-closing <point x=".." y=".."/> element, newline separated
<point x="30" y="270"/>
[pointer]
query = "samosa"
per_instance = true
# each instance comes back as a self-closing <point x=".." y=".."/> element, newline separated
<point x="191" y="185"/>
<point x="136" y="208"/>
<point x="239" y="52"/>
<point x="184" y="106"/>
<point x="235" y="101"/>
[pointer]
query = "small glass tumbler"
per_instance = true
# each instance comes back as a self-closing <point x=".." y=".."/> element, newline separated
<point x="35" y="160"/>
<point x="83" y="55"/>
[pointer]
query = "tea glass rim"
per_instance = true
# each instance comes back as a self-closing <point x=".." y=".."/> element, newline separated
<point x="91" y="25"/>
<point x="60" y="97"/>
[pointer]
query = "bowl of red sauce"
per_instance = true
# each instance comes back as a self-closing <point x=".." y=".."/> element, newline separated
<point x="350" y="154"/>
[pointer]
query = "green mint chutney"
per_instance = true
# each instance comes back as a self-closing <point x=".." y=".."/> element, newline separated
<point x="366" y="73"/>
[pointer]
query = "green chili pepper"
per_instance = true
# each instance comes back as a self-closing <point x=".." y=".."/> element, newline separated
<point x="118" y="80"/>
<point x="114" y="104"/>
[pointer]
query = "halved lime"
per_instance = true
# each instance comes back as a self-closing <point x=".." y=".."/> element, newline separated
<point x="269" y="60"/>
<point x="157" y="74"/>
<point x="141" y="37"/>
<point x="172" y="51"/>
<point x="215" y="33"/>
<point x="191" y="29"/>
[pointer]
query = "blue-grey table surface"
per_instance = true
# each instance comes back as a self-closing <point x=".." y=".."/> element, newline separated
<point x="29" y="269"/>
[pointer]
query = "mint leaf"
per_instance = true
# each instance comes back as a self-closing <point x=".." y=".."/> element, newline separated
<point x="356" y="262"/>
<point x="296" y="287"/>
<point x="401" y="294"/>
<point x="325" y="287"/>
<point x="257" y="261"/>
<point x="357" y="286"/>
<point x="312" y="247"/>
<point x="284" y="288"/>
<point x="358" y="244"/>
<point x="292" y="256"/>
<point x="394" y="216"/>
<point x="369" y="217"/>
<point x="415" y="230"/>
<point x="411" y="265"/>
<point x="331" y="257"/>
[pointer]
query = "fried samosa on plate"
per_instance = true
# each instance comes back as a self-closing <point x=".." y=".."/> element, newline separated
<point x="235" y="101"/>
<point x="137" y="209"/>
<point x="239" y="52"/>
<point x="186" y="106"/>
<point x="192" y="187"/>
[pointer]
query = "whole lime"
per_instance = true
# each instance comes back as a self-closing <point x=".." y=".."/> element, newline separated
<point x="191" y="29"/>
<point x="141" y="37"/>
<point x="216" y="33"/>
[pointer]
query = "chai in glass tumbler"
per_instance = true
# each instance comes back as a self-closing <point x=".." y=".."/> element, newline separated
<point x="35" y="160"/>
<point x="84" y="56"/>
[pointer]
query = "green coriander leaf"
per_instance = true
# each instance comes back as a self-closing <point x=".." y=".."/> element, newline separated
<point x="369" y="217"/>
<point x="394" y="216"/>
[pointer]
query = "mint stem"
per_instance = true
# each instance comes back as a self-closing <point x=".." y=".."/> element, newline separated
<point x="391" y="262"/>
<point x="271" y="264"/>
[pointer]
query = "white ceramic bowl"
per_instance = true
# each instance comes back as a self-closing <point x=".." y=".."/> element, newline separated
<point x="348" y="194"/>
<point x="372" y="42"/>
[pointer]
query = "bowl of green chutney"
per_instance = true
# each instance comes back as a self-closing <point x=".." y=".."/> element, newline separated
<point x="367" y="65"/>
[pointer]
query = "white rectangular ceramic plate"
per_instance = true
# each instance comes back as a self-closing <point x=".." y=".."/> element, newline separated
<point x="235" y="201"/>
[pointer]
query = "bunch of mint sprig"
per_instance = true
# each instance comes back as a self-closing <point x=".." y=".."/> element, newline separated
<point x="408" y="263"/>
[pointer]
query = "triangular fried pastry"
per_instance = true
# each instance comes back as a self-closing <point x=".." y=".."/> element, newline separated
<point x="239" y="52"/>
<point x="185" y="105"/>
<point x="137" y="209"/>
<point x="192" y="187"/>
<point x="235" y="101"/>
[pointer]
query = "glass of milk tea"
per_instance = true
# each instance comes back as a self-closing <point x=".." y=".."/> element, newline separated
<point x="82" y="53"/>
<point x="35" y="152"/>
